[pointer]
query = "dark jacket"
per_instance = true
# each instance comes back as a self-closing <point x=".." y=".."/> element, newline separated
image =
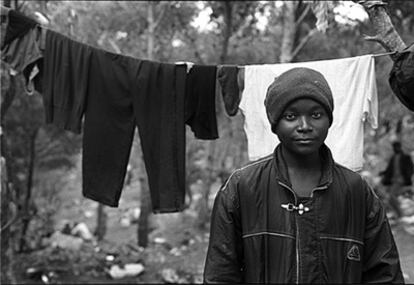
<point x="406" y="168"/>
<point x="341" y="235"/>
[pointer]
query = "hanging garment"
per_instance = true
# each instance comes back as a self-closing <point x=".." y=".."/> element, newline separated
<point x="200" y="101"/>
<point x="124" y="92"/>
<point x="401" y="77"/>
<point x="22" y="48"/>
<point x="66" y="67"/>
<point x="352" y="81"/>
<point x="227" y="76"/>
<point x="18" y="25"/>
<point x="116" y="93"/>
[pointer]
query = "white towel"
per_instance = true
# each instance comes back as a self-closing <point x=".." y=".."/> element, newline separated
<point x="352" y="81"/>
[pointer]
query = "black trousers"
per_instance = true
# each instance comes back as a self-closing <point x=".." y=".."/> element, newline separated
<point x="125" y="92"/>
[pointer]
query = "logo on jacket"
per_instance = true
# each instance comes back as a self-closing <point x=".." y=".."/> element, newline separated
<point x="353" y="253"/>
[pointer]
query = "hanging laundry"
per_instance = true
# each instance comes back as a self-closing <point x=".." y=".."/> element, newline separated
<point x="200" y="101"/>
<point x="401" y="78"/>
<point x="22" y="48"/>
<point x="115" y="94"/>
<point x="354" y="89"/>
<point x="66" y="66"/>
<point x="227" y="76"/>
<point x="123" y="93"/>
<point x="18" y="25"/>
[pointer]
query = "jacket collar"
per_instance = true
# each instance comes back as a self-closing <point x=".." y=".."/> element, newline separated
<point x="282" y="170"/>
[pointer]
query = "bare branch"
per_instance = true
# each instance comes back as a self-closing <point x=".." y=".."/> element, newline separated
<point x="303" y="15"/>
<point x="114" y="45"/>
<point x="376" y="39"/>
<point x="161" y="15"/>
<point x="385" y="33"/>
<point x="303" y="42"/>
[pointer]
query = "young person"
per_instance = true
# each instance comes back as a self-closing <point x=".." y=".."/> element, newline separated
<point x="397" y="175"/>
<point x="296" y="216"/>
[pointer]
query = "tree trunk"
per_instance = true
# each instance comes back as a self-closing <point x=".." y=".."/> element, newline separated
<point x="27" y="211"/>
<point x="228" y="25"/>
<point x="144" y="219"/>
<point x="289" y="31"/>
<point x="6" y="253"/>
<point x="385" y="33"/>
<point x="101" y="221"/>
<point x="151" y="30"/>
<point x="6" y="221"/>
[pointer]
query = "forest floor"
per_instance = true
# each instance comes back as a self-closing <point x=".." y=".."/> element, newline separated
<point x="175" y="254"/>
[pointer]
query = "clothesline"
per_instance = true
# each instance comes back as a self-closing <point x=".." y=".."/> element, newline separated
<point x="385" y="53"/>
<point x="4" y="10"/>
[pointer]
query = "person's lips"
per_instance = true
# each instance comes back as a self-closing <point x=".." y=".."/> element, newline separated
<point x="304" y="140"/>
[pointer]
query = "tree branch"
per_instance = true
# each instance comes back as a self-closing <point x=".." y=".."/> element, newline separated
<point x="114" y="45"/>
<point x="303" y="15"/>
<point x="161" y="15"/>
<point x="385" y="33"/>
<point x="303" y="42"/>
<point x="289" y="31"/>
<point x="228" y="11"/>
<point x="374" y="39"/>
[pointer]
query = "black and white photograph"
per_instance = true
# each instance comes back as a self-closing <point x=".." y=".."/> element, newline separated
<point x="198" y="142"/>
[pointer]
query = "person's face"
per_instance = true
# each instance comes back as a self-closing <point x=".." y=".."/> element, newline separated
<point x="303" y="126"/>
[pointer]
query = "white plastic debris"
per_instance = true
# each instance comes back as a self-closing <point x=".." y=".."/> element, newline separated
<point x="129" y="270"/>
<point x="160" y="240"/>
<point x="82" y="231"/>
<point x="45" y="279"/>
<point x="170" y="275"/>
<point x="110" y="258"/>
<point x="175" y="251"/>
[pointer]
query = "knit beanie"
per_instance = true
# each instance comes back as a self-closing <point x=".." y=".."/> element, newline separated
<point x="293" y="84"/>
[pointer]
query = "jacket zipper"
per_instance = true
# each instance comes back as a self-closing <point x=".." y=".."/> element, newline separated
<point x="318" y="188"/>
<point x="297" y="231"/>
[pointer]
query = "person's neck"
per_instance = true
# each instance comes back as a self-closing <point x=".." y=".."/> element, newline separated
<point x="302" y="162"/>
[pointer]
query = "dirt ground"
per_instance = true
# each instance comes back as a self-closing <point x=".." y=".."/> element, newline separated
<point x="176" y="252"/>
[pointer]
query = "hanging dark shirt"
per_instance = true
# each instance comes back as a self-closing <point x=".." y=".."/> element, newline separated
<point x="200" y="101"/>
<point x="227" y="77"/>
<point x="18" y="25"/>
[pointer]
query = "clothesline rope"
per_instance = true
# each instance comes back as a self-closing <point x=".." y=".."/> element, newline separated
<point x="384" y="53"/>
<point x="374" y="55"/>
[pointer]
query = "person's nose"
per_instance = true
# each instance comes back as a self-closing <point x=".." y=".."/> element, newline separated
<point x="304" y="124"/>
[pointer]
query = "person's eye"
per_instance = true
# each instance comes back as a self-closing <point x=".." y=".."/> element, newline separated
<point x="289" y="116"/>
<point x="316" y="115"/>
